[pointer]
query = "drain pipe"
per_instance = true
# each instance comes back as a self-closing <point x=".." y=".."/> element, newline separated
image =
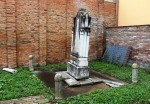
<point x="31" y="68"/>
<point x="58" y="86"/>
<point x="134" y="73"/>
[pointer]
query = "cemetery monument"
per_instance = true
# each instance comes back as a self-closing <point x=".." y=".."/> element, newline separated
<point x="78" y="64"/>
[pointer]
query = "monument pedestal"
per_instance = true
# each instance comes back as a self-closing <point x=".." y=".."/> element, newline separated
<point x="77" y="72"/>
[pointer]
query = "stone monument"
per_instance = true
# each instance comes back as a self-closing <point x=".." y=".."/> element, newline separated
<point x="78" y="64"/>
<point x="77" y="73"/>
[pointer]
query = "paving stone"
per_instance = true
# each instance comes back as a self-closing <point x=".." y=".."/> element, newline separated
<point x="42" y="101"/>
<point x="28" y="100"/>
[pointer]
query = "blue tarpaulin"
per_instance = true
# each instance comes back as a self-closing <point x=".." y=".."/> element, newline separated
<point x="117" y="54"/>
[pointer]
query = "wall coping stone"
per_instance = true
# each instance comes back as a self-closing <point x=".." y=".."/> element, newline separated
<point x="112" y="1"/>
<point x="128" y="26"/>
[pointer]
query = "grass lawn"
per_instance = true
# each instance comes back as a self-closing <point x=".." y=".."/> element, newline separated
<point x="23" y="83"/>
<point x="20" y="84"/>
<point x="129" y="94"/>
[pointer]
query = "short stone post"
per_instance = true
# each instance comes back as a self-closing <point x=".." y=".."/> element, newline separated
<point x="134" y="73"/>
<point x="58" y="86"/>
<point x="31" y="68"/>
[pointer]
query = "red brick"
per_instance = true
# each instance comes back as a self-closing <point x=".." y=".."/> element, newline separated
<point x="44" y="28"/>
<point x="136" y="36"/>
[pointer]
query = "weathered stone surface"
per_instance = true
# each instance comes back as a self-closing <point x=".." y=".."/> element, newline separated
<point x="77" y="72"/>
<point x="65" y="75"/>
<point x="78" y="64"/>
<point x="72" y="82"/>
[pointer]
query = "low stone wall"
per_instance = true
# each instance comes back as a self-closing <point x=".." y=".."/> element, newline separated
<point x="138" y="37"/>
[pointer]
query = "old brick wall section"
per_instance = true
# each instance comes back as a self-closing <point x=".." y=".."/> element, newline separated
<point x="136" y="36"/>
<point x="43" y="28"/>
<point x="11" y="32"/>
<point x="7" y="33"/>
<point x="110" y="14"/>
<point x="56" y="31"/>
<point x="3" y="36"/>
<point x="27" y="30"/>
<point x="42" y="31"/>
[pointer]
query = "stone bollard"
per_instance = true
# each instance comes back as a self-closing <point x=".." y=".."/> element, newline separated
<point x="134" y="73"/>
<point x="31" y="68"/>
<point x="58" y="86"/>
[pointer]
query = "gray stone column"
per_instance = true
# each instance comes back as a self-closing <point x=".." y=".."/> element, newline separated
<point x="58" y="86"/>
<point x="134" y="73"/>
<point x="31" y="68"/>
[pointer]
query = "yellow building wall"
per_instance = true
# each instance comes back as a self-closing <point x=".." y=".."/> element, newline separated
<point x="133" y="12"/>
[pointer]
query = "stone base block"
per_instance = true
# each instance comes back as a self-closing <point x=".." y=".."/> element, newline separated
<point x="71" y="81"/>
<point x="77" y="72"/>
<point x="79" y="61"/>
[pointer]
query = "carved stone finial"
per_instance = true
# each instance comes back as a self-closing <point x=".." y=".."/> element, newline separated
<point x="58" y="77"/>
<point x="135" y="66"/>
<point x="134" y="73"/>
<point x="31" y="67"/>
<point x="82" y="9"/>
<point x="30" y="56"/>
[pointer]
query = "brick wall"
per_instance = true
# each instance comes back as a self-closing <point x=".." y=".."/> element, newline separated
<point x="44" y="27"/>
<point x="110" y="14"/>
<point x="136" y="36"/>
<point x="27" y="30"/>
<point x="56" y="27"/>
<point x="3" y="35"/>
